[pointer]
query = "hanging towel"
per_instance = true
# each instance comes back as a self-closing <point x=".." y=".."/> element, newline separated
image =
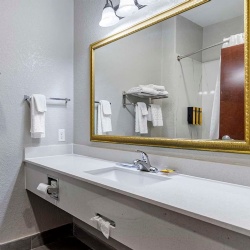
<point x="234" y="40"/>
<point x="104" y="123"/>
<point x="141" y="114"/>
<point x="106" y="107"/>
<point x="37" y="111"/>
<point x="155" y="115"/>
<point x="99" y="120"/>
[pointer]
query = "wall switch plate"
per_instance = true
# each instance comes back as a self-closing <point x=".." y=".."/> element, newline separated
<point x="61" y="134"/>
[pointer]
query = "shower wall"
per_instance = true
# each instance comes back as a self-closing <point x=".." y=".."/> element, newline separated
<point x="182" y="79"/>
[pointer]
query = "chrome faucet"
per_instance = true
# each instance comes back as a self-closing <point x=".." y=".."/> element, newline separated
<point x="144" y="163"/>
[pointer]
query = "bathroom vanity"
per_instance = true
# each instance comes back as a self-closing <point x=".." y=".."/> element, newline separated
<point x="140" y="204"/>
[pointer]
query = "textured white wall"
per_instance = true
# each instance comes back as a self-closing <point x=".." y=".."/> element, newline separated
<point x="36" y="56"/>
<point x="87" y="31"/>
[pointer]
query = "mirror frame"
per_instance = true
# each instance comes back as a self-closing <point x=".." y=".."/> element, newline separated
<point x="197" y="144"/>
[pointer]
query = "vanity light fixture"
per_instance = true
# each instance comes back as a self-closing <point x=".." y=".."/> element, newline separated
<point x="109" y="17"/>
<point x="112" y="14"/>
<point x="126" y="8"/>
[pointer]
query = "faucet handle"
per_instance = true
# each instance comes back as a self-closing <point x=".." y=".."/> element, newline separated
<point x="153" y="170"/>
<point x="136" y="163"/>
<point x="144" y="156"/>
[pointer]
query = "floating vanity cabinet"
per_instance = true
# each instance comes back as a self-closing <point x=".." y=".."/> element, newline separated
<point x="139" y="225"/>
<point x="172" y="212"/>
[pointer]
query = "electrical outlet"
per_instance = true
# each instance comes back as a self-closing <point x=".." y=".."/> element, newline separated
<point x="61" y="134"/>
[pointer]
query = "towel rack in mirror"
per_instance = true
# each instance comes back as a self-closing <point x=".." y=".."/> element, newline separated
<point x="140" y="95"/>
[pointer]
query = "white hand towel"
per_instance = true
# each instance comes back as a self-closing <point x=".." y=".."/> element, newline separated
<point x="156" y="114"/>
<point x="37" y="112"/>
<point x="40" y="101"/>
<point x="106" y="107"/>
<point x="149" y="114"/>
<point x="141" y="114"/>
<point x="99" y="120"/>
<point x="104" y="121"/>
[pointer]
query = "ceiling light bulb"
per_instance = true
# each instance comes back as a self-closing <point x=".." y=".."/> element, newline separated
<point x="147" y="2"/>
<point x="126" y="8"/>
<point x="109" y="17"/>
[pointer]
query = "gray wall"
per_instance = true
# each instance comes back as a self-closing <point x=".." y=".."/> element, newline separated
<point x="215" y="33"/>
<point x="118" y="70"/>
<point x="188" y="37"/>
<point x="36" y="51"/>
<point x="87" y="31"/>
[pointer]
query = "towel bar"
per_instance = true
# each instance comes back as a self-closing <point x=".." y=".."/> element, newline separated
<point x="27" y="98"/>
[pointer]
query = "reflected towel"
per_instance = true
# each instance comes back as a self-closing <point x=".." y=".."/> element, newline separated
<point x="234" y="40"/>
<point x="139" y="90"/>
<point x="155" y="115"/>
<point x="153" y="86"/>
<point x="145" y="90"/>
<point x="141" y="114"/>
<point x="37" y="112"/>
<point x="106" y="107"/>
<point x="104" y="123"/>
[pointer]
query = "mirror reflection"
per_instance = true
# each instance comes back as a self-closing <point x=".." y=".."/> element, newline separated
<point x="181" y="78"/>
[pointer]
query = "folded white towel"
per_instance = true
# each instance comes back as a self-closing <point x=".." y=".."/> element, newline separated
<point x="141" y="113"/>
<point x="155" y="115"/>
<point x="153" y="86"/>
<point x="104" y="123"/>
<point x="106" y="107"/>
<point x="140" y="90"/>
<point x="163" y="93"/>
<point x="37" y="113"/>
<point x="146" y="90"/>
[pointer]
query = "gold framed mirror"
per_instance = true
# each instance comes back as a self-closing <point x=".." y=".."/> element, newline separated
<point x="203" y="50"/>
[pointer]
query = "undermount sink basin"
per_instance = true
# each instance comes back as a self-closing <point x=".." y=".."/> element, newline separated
<point x="133" y="178"/>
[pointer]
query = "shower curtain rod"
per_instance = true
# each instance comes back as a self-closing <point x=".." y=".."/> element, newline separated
<point x="193" y="53"/>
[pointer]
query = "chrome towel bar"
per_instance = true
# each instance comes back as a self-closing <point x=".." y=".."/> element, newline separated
<point x="27" y="98"/>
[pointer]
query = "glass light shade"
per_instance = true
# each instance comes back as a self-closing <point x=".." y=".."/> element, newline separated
<point x="109" y="17"/>
<point x="147" y="2"/>
<point x="126" y="8"/>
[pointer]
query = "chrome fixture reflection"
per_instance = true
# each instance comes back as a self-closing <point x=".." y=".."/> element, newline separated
<point x="112" y="14"/>
<point x="109" y="17"/>
<point x="126" y="8"/>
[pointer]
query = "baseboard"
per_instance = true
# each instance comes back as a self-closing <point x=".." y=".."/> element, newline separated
<point x="40" y="239"/>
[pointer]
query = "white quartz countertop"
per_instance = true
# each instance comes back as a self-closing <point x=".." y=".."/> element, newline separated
<point x="219" y="203"/>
